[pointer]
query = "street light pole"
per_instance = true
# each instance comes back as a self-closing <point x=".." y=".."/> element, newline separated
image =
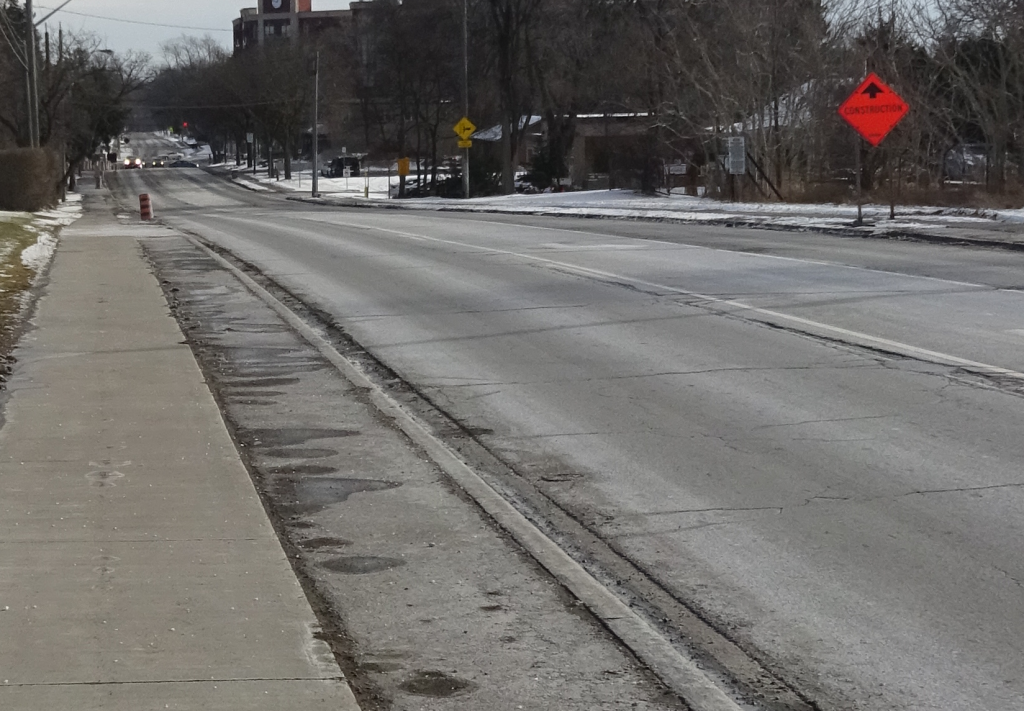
<point x="316" y="125"/>
<point x="465" y="92"/>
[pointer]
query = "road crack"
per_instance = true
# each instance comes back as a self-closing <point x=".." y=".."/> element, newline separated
<point x="961" y="490"/>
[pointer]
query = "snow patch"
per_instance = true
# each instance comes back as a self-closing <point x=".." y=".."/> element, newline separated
<point x="250" y="185"/>
<point x="47" y="224"/>
<point x="38" y="255"/>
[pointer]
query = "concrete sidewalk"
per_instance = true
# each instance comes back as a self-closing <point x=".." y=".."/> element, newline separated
<point x="138" y="568"/>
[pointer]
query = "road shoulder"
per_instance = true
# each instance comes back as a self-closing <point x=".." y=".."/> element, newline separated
<point x="432" y="605"/>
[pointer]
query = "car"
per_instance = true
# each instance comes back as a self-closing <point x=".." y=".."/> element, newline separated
<point x="158" y="162"/>
<point x="184" y="164"/>
<point x="132" y="162"/>
<point x="337" y="167"/>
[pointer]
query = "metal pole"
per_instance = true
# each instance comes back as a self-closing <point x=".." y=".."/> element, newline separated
<point x="316" y="126"/>
<point x="33" y="91"/>
<point x="465" y="92"/>
<point x="859" y="170"/>
<point x="28" y="102"/>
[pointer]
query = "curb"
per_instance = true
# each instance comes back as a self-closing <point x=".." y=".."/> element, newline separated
<point x="680" y="673"/>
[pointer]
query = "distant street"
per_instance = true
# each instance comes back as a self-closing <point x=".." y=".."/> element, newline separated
<point x="813" y="441"/>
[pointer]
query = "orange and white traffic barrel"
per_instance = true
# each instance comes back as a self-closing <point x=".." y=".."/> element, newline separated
<point x="145" y="207"/>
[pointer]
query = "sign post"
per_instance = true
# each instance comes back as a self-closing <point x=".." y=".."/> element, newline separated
<point x="872" y="110"/>
<point x="464" y="129"/>
<point x="316" y="126"/>
<point x="737" y="147"/>
<point x="736" y="162"/>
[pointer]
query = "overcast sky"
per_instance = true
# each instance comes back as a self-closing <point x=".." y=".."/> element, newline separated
<point x="212" y="17"/>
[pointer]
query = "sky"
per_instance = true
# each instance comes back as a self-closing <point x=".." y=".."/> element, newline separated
<point x="189" y="17"/>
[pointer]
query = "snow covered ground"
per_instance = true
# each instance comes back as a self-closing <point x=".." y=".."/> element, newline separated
<point x="27" y="244"/>
<point x="630" y="205"/>
<point x="626" y="204"/>
<point x="372" y="188"/>
<point x="46" y="224"/>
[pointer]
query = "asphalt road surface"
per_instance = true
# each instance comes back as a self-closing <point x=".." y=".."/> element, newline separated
<point x="815" y="441"/>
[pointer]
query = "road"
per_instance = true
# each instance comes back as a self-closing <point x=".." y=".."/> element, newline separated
<point x="813" y="441"/>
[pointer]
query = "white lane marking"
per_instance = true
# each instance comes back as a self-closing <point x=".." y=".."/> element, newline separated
<point x="734" y="252"/>
<point x="856" y="337"/>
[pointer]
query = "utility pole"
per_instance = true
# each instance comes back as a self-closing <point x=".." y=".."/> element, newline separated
<point x="31" y="70"/>
<point x="28" y="97"/>
<point x="316" y="125"/>
<point x="33" y="88"/>
<point x="465" y="92"/>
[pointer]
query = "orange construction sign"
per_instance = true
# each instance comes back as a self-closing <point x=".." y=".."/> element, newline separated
<point x="873" y="109"/>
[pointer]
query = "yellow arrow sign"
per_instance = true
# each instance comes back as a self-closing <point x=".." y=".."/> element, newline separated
<point x="465" y="128"/>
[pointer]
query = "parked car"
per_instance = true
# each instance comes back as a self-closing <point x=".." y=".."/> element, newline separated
<point x="184" y="164"/>
<point x="336" y="168"/>
<point x="132" y="162"/>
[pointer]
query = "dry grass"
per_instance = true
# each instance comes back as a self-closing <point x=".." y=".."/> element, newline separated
<point x="16" y="233"/>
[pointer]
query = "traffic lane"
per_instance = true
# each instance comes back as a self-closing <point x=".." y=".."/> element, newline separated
<point x="769" y="479"/>
<point x="149" y="145"/>
<point x="987" y="266"/>
<point x="186" y="190"/>
<point x="958" y="319"/>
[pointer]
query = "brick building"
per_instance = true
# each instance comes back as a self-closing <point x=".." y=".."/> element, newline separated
<point x="284" y="19"/>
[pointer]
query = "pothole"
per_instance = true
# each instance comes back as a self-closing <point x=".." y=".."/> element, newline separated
<point x="315" y="544"/>
<point x="362" y="564"/>
<point x="436" y="684"/>
<point x="299" y="453"/>
<point x="380" y="667"/>
<point x="304" y="496"/>
<point x="261" y="383"/>
<point x="292" y="469"/>
<point x="290" y="436"/>
<point x="234" y="392"/>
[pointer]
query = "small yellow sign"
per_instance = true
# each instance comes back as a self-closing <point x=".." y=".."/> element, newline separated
<point x="465" y="129"/>
<point x="403" y="166"/>
<point x="465" y="144"/>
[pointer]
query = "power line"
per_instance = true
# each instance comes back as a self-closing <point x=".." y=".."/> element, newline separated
<point x="5" y="25"/>
<point x="153" y="107"/>
<point x="140" y="22"/>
